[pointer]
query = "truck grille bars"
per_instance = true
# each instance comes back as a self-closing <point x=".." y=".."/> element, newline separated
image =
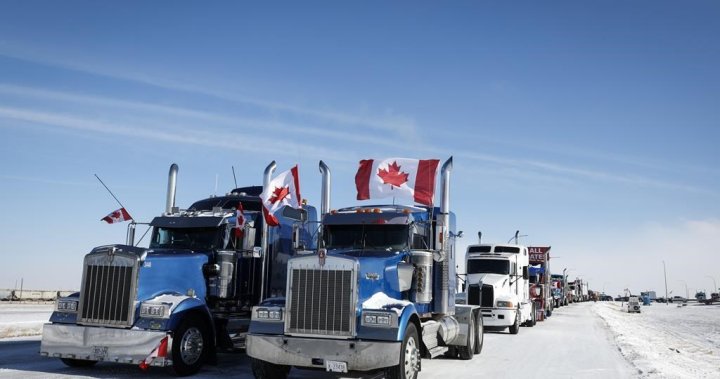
<point x="108" y="288"/>
<point x="321" y="300"/>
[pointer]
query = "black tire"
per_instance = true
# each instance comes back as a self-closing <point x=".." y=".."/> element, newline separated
<point x="466" y="352"/>
<point x="451" y="352"/>
<point x="409" y="365"/>
<point x="190" y="347"/>
<point x="515" y="328"/>
<point x="548" y="313"/>
<point x="479" y="334"/>
<point x="267" y="370"/>
<point x="78" y="362"/>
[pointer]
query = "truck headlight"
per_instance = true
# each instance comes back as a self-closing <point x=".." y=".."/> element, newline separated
<point x="379" y="319"/>
<point x="504" y="304"/>
<point x="155" y="310"/>
<point x="267" y="314"/>
<point x="67" y="305"/>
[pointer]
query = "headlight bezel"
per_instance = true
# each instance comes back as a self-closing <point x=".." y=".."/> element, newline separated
<point x="504" y="304"/>
<point x="379" y="319"/>
<point x="149" y="309"/>
<point x="268" y="314"/>
<point x="67" y="305"/>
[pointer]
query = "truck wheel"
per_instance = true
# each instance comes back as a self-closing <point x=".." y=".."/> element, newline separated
<point x="479" y="334"/>
<point x="466" y="352"/>
<point x="267" y="370"/>
<point x="77" y="362"/>
<point x="409" y="364"/>
<point x="515" y="328"/>
<point x="191" y="343"/>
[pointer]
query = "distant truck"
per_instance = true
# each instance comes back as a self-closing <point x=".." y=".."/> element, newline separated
<point x="498" y="281"/>
<point x="702" y="298"/>
<point x="559" y="289"/>
<point x="539" y="258"/>
<point x="632" y="305"/>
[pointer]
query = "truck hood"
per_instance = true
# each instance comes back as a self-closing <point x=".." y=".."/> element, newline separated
<point x="495" y="280"/>
<point x="172" y="272"/>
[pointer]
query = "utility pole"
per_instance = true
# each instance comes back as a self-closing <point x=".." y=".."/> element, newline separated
<point x="666" y="294"/>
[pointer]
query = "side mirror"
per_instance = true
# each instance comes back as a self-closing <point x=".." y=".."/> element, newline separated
<point x="525" y="273"/>
<point x="248" y="241"/>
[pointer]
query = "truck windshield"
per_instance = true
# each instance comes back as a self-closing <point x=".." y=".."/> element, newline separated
<point x="383" y="237"/>
<point x="488" y="266"/>
<point x="185" y="238"/>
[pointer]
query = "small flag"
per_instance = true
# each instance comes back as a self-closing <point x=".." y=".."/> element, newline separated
<point x="160" y="351"/>
<point x="283" y="190"/>
<point x="119" y="215"/>
<point x="239" y="222"/>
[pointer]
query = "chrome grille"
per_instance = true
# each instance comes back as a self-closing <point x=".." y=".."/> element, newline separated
<point x="321" y="299"/>
<point x="108" y="288"/>
<point x="488" y="296"/>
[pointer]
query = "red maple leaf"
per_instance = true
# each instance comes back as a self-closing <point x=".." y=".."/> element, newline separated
<point x="278" y="194"/>
<point x="393" y="176"/>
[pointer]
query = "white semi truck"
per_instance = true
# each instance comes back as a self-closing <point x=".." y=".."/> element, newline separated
<point x="497" y="280"/>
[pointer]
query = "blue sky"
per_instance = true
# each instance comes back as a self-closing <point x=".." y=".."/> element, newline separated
<point x="591" y="127"/>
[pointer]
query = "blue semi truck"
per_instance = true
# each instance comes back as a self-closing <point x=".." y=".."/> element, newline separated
<point x="190" y="293"/>
<point x="378" y="296"/>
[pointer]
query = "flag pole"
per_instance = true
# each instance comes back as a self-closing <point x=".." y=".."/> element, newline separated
<point x="108" y="189"/>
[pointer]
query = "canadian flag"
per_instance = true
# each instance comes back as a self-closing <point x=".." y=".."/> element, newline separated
<point x="397" y="177"/>
<point x="239" y="221"/>
<point x="160" y="351"/>
<point x="283" y="190"/>
<point x="119" y="215"/>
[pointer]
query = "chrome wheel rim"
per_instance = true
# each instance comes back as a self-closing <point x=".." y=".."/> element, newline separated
<point x="411" y="358"/>
<point x="191" y="346"/>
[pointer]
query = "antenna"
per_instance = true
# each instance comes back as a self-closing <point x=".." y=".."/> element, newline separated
<point x="479" y="237"/>
<point x="234" y="177"/>
<point x="108" y="189"/>
<point x="216" y="184"/>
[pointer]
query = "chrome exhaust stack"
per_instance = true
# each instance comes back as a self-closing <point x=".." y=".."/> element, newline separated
<point x="325" y="189"/>
<point x="444" y="301"/>
<point x="267" y="176"/>
<point x="172" y="184"/>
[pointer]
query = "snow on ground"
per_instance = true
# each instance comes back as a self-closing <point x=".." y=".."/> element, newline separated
<point x="23" y="319"/>
<point x="667" y="341"/>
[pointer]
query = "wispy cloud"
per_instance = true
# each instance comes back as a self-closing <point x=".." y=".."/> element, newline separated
<point x="173" y="134"/>
<point x="391" y="123"/>
<point x="185" y="113"/>
<point x="538" y="167"/>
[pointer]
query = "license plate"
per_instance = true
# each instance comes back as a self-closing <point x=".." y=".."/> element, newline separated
<point x="100" y="352"/>
<point x="335" y="366"/>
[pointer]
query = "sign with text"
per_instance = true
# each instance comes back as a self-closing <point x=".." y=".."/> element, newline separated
<point x="538" y="254"/>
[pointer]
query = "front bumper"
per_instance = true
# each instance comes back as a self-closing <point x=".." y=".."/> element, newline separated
<point x="498" y="316"/>
<point x="313" y="352"/>
<point x="101" y="344"/>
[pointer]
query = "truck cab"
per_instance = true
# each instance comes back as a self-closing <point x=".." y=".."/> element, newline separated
<point x="378" y="296"/>
<point x="498" y="281"/>
<point x="189" y="293"/>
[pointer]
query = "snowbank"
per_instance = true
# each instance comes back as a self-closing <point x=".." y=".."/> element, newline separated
<point x="23" y="319"/>
<point x="667" y="341"/>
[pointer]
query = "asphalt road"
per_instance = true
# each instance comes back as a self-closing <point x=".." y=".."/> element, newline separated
<point x="573" y="343"/>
